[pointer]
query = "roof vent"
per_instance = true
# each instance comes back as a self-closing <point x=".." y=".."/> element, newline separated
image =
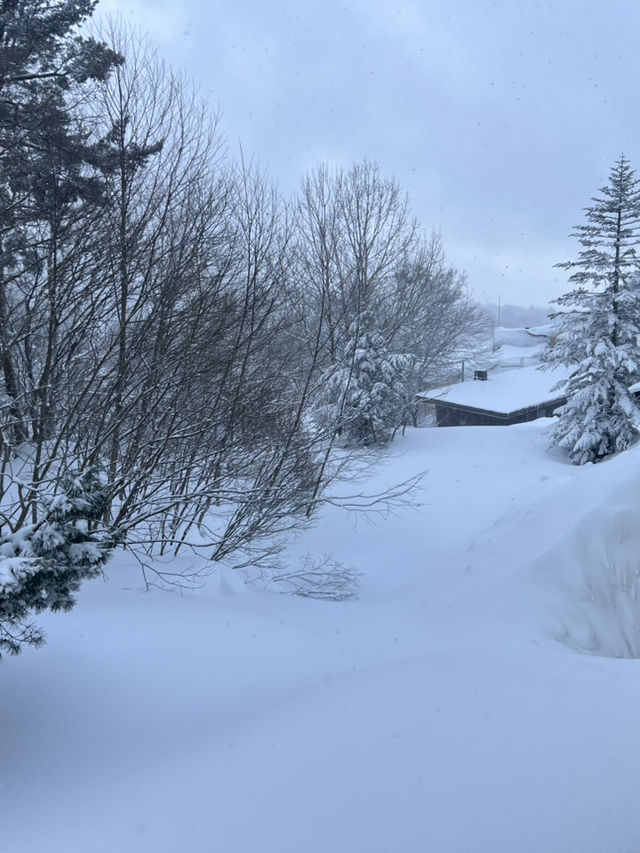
<point x="480" y="374"/>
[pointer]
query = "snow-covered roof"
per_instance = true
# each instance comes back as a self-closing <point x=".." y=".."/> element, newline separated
<point x="526" y="337"/>
<point x="508" y="355"/>
<point x="504" y="392"/>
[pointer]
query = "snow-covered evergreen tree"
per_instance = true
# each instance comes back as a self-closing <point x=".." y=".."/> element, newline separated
<point x="598" y="326"/>
<point x="367" y="395"/>
<point x="43" y="564"/>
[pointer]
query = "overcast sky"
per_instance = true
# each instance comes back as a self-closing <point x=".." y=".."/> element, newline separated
<point x="501" y="119"/>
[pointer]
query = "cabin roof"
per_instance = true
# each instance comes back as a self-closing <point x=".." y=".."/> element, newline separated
<point x="506" y="392"/>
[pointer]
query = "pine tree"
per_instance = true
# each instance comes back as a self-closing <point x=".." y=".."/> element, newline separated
<point x="43" y="565"/>
<point x="598" y="335"/>
<point x="366" y="396"/>
<point x="43" y="65"/>
<point x="50" y="177"/>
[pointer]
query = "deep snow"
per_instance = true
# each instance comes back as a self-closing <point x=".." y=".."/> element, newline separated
<point x="475" y="698"/>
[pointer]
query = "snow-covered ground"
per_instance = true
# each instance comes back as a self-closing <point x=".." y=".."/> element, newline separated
<point x="481" y="695"/>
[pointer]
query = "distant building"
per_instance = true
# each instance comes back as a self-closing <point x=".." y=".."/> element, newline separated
<point x="519" y="347"/>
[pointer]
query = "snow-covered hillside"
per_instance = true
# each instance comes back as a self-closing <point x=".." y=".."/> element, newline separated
<point x="479" y="696"/>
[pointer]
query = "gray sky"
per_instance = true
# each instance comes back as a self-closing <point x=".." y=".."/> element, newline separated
<point x="501" y="119"/>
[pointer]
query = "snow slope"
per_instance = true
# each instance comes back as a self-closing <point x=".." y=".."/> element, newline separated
<point x="481" y="695"/>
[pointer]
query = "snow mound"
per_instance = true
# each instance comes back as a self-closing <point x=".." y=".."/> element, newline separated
<point x="598" y="563"/>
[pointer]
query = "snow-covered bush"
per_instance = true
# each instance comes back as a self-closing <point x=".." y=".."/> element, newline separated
<point x="366" y="396"/>
<point x="316" y="576"/>
<point x="43" y="564"/>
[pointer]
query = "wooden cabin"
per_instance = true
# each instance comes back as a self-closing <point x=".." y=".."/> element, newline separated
<point x="498" y="399"/>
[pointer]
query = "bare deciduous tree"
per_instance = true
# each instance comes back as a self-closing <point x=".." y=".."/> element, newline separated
<point x="360" y="254"/>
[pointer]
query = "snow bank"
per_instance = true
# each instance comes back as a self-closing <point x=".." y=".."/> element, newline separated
<point x="597" y="571"/>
